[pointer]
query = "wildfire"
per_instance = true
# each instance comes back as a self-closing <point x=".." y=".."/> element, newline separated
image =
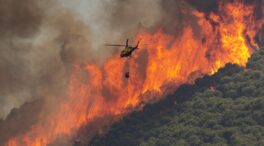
<point x="95" y="92"/>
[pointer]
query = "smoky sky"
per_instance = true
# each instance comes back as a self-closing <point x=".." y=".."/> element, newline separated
<point x="19" y="22"/>
<point x="21" y="19"/>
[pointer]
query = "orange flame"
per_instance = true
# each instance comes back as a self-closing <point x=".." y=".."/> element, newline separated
<point x="96" y="92"/>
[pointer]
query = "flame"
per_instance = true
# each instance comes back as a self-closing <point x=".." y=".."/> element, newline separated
<point x="95" y="92"/>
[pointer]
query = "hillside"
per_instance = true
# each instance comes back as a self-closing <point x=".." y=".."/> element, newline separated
<point x="224" y="109"/>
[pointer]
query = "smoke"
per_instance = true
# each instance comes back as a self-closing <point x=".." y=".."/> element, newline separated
<point x="19" y="24"/>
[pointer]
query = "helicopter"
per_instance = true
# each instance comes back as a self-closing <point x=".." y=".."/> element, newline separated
<point x="127" y="52"/>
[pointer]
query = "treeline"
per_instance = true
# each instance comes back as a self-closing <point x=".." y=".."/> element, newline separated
<point x="226" y="109"/>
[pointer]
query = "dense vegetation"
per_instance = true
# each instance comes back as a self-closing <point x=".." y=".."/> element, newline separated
<point x="225" y="109"/>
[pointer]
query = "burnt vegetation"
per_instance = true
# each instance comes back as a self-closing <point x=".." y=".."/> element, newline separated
<point x="224" y="109"/>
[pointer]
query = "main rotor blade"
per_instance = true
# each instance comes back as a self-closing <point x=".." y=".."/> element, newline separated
<point x="115" y="45"/>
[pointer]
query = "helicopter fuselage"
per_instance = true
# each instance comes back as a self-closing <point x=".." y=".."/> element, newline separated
<point x="127" y="52"/>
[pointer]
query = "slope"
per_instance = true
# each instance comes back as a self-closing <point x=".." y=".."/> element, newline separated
<point x="224" y="109"/>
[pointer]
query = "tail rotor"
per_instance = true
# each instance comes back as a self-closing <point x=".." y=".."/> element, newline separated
<point x="138" y="43"/>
